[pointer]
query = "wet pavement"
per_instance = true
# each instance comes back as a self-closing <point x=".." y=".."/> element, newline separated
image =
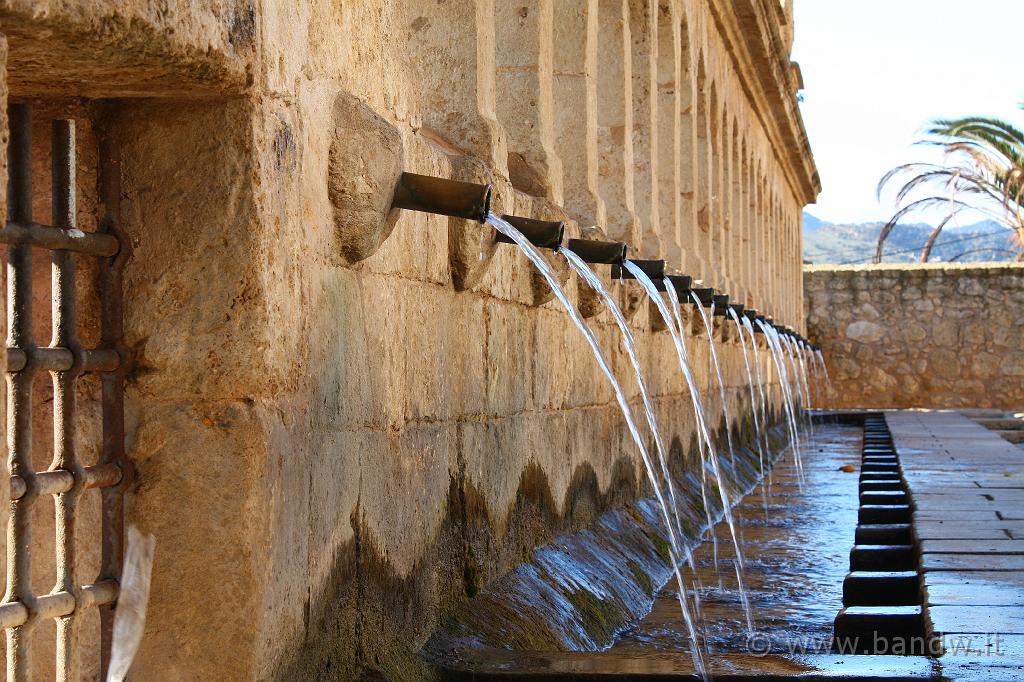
<point x="796" y="534"/>
<point x="796" y="539"/>
<point x="968" y="490"/>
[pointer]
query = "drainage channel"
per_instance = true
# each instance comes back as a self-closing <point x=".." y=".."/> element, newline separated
<point x="882" y="598"/>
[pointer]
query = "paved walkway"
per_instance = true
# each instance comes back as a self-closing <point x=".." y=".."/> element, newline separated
<point x="967" y="486"/>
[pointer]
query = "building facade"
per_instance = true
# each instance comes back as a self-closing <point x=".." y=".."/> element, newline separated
<point x="337" y="420"/>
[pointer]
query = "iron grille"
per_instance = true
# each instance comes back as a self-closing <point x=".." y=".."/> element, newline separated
<point x="65" y="360"/>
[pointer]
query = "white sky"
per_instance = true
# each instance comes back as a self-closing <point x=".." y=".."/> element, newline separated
<point x="877" y="71"/>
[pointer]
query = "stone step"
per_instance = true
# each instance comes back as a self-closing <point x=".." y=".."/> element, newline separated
<point x="883" y="513"/>
<point x="883" y="497"/>
<point x="882" y="558"/>
<point x="884" y="534"/>
<point x="1002" y="424"/>
<point x="878" y="475"/>
<point x="886" y="468"/>
<point x="880" y="629"/>
<point x="1012" y="436"/>
<point x="882" y="588"/>
<point x="881" y="484"/>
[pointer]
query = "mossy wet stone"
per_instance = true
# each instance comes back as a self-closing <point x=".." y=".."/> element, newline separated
<point x="577" y="592"/>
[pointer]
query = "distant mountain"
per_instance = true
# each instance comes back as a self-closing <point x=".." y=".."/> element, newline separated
<point x="811" y="223"/>
<point x="826" y="242"/>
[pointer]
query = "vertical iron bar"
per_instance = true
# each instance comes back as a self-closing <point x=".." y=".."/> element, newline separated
<point x="111" y="336"/>
<point x="19" y="396"/>
<point x="64" y="382"/>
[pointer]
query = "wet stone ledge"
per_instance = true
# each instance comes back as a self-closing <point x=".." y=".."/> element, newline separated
<point x="578" y="592"/>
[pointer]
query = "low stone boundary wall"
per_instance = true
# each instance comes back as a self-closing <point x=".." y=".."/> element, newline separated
<point x="929" y="335"/>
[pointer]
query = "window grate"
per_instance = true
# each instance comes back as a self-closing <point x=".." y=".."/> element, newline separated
<point x="66" y="478"/>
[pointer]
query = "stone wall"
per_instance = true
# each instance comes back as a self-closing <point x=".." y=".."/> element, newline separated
<point x="344" y="420"/>
<point x="933" y="335"/>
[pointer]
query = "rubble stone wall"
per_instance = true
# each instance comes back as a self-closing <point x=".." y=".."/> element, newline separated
<point x="931" y="335"/>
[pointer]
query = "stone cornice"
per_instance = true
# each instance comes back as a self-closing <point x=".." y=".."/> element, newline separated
<point x="750" y="30"/>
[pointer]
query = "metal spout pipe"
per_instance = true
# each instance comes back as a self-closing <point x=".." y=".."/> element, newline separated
<point x="442" y="196"/>
<point x="704" y="294"/>
<point x="681" y="283"/>
<point x="751" y="314"/>
<point x="545" y="234"/>
<point x="737" y="308"/>
<point x="721" y="302"/>
<point x="655" y="269"/>
<point x="597" y="252"/>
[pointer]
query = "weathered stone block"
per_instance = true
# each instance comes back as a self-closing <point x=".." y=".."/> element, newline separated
<point x="365" y="163"/>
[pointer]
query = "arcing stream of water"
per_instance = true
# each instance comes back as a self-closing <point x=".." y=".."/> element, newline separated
<point x="674" y="550"/>
<point x="787" y="397"/>
<point x="750" y="384"/>
<point x="783" y="351"/>
<point x="652" y="291"/>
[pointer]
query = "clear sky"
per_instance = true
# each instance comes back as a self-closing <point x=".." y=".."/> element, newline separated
<point x="877" y="71"/>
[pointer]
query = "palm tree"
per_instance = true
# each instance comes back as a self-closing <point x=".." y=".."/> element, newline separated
<point x="983" y="170"/>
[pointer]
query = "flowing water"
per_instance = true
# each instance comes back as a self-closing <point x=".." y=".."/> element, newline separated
<point x="799" y="378"/>
<point x="824" y="370"/>
<point x="763" y="435"/>
<point x="674" y="551"/>
<point x="787" y="398"/>
<point x="750" y="385"/>
<point x="718" y="370"/>
<point x="705" y="446"/>
<point x="652" y="292"/>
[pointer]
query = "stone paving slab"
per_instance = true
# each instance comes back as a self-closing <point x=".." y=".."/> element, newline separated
<point x="972" y="562"/>
<point x="980" y="588"/>
<point x="1005" y="620"/>
<point x="977" y="546"/>
<point x="967" y="488"/>
<point x="940" y="529"/>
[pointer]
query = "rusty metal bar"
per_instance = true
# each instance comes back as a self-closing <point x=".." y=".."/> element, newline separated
<point x="55" y="238"/>
<point x="65" y="459"/>
<point x="19" y="398"/>
<point x="13" y="614"/>
<point x="56" y="482"/>
<point x="57" y="604"/>
<point x="63" y="359"/>
<point x="111" y="337"/>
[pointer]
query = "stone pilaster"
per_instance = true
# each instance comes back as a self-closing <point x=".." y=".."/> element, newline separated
<point x="615" y="120"/>
<point x="526" y="110"/>
<point x="575" y="107"/>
